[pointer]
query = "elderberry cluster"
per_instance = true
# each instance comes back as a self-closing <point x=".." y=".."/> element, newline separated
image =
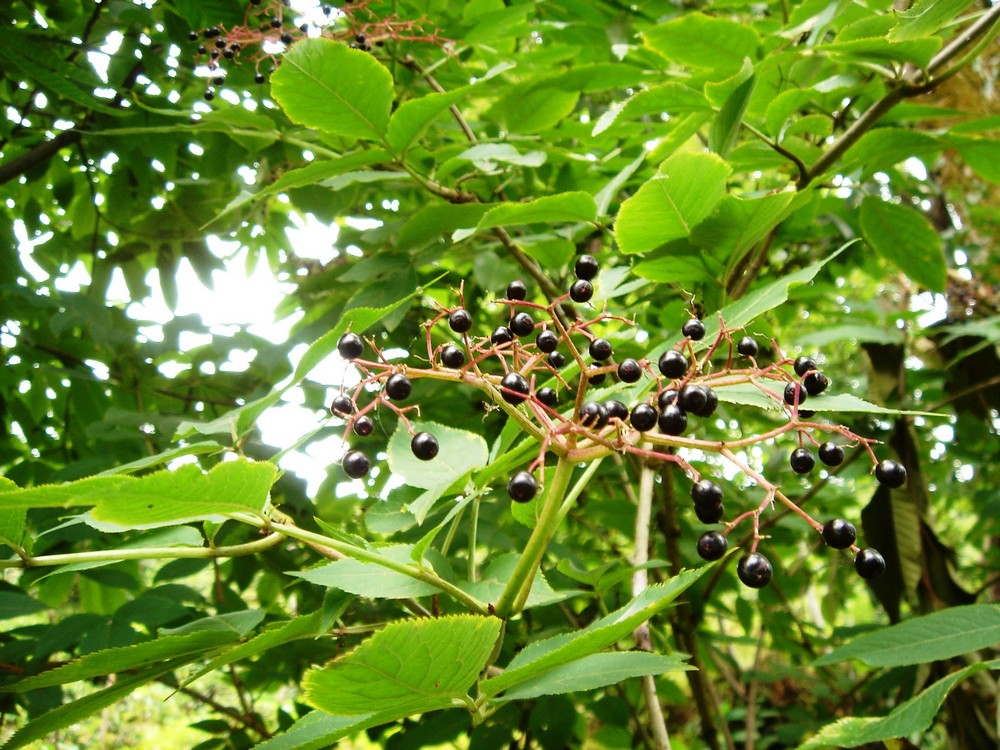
<point x="542" y="366"/>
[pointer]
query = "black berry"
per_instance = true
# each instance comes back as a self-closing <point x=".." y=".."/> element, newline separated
<point x="706" y="492"/>
<point x="747" y="346"/>
<point x="424" y="446"/>
<point x="711" y="403"/>
<point x="547" y="396"/>
<point x="803" y="365"/>
<point x="802" y="461"/>
<point x="694" y="329"/>
<point x="356" y="464"/>
<point x="522" y="487"/>
<point x="869" y="563"/>
<point x="342" y="405"/>
<point x="643" y="417"/>
<point x="794" y="392"/>
<point x="831" y="454"/>
<point x="629" y="371"/>
<point x="364" y="426"/>
<point x="209" y="95"/>
<point x="593" y="414"/>
<point x="516" y="290"/>
<point x="839" y="534"/>
<point x="522" y="324"/>
<point x="398" y="387"/>
<point x="693" y="398"/>
<point x="616" y="410"/>
<point x="672" y="420"/>
<point x="546" y="341"/>
<point x="666" y="398"/>
<point x="890" y="473"/>
<point x="287" y="38"/>
<point x="501" y="335"/>
<point x="452" y="356"/>
<point x="596" y="378"/>
<point x="600" y="349"/>
<point x="754" y="570"/>
<point x="673" y="364"/>
<point x="712" y="545"/>
<point x="460" y="321"/>
<point x="515" y="388"/>
<point x="709" y="513"/>
<point x="581" y="291"/>
<point x="586" y="267"/>
<point x="259" y="78"/>
<point x="815" y="382"/>
<point x="556" y="360"/>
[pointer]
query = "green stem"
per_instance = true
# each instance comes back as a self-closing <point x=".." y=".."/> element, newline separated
<point x="473" y="529"/>
<point x="145" y="553"/>
<point x="515" y="593"/>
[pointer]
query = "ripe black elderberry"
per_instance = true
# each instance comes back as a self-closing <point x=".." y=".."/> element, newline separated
<point x="342" y="405"/>
<point x="596" y="378"/>
<point x="516" y="290"/>
<point x="629" y="371"/>
<point x="839" y="534"/>
<point x="694" y="329"/>
<point x="802" y="461"/>
<point x="556" y="360"/>
<point x="501" y="335"/>
<point x="593" y="414"/>
<point x="522" y="487"/>
<point x="600" y="349"/>
<point x="709" y="513"/>
<point x="803" y="365"/>
<point x="424" y="446"/>
<point x="869" y="563"/>
<point x="672" y="420"/>
<point x="815" y="382"/>
<point x="586" y="267"/>
<point x="350" y="346"/>
<point x="364" y="426"/>
<point x="890" y="473"/>
<point x="460" y="321"/>
<point x="794" y="392"/>
<point x="581" y="291"/>
<point x="673" y="364"/>
<point x="547" y="396"/>
<point x="452" y="356"/>
<point x="643" y="417"/>
<point x="667" y="397"/>
<point x="546" y="341"/>
<point x="693" y="398"/>
<point x="711" y="403"/>
<point x="747" y="346"/>
<point x="356" y="464"/>
<point x="259" y="78"/>
<point x="616" y="409"/>
<point x="522" y="324"/>
<point x="515" y="388"/>
<point x="831" y="454"/>
<point x="706" y="492"/>
<point x="754" y="570"/>
<point x="712" y="546"/>
<point x="398" y="387"/>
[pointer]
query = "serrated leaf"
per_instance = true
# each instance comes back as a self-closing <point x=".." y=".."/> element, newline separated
<point x="113" y="660"/>
<point x="592" y="672"/>
<point x="460" y="452"/>
<point x="737" y="224"/>
<point x="726" y="125"/>
<point x="704" y="42"/>
<point x="551" y="209"/>
<point x="670" y="98"/>
<point x="237" y="624"/>
<point x="435" y="221"/>
<point x="325" y="85"/>
<point x="413" y="117"/>
<point x="911" y="717"/>
<point x="370" y="579"/>
<point x="542" y="656"/>
<point x="484" y="155"/>
<point x="13" y="604"/>
<point x="916" y="51"/>
<point x="925" y="17"/>
<point x="906" y="238"/>
<point x="683" y="193"/>
<point x="318" y="730"/>
<point x="847" y="402"/>
<point x="410" y="667"/>
<point x="494" y="580"/>
<point x="939" y="635"/>
<point x="884" y="147"/>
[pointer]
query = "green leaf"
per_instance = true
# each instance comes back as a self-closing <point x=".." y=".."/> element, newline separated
<point x="328" y="86"/>
<point x="704" y="42"/>
<point x="737" y="224"/>
<point x="113" y="660"/>
<point x="846" y="402"/>
<point x="494" y="579"/>
<point x="435" y="221"/>
<point x="592" y="672"/>
<point x="235" y="623"/>
<point x="191" y="449"/>
<point x="940" y="635"/>
<point x="885" y="147"/>
<point x="12" y="520"/>
<point x="13" y="604"/>
<point x="184" y="495"/>
<point x="916" y="51"/>
<point x="905" y="237"/>
<point x="318" y="730"/>
<point x="670" y="98"/>
<point x="982" y="155"/>
<point x="925" y="17"/>
<point x="726" y="125"/>
<point x="909" y="718"/>
<point x="411" y="666"/>
<point x="412" y="118"/>
<point x="533" y="111"/>
<point x="369" y="579"/>
<point x="485" y="156"/>
<point x="551" y="209"/>
<point x="460" y="452"/>
<point x="542" y="656"/>
<point x="684" y="192"/>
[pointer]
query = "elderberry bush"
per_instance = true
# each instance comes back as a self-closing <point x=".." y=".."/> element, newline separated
<point x="544" y="364"/>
